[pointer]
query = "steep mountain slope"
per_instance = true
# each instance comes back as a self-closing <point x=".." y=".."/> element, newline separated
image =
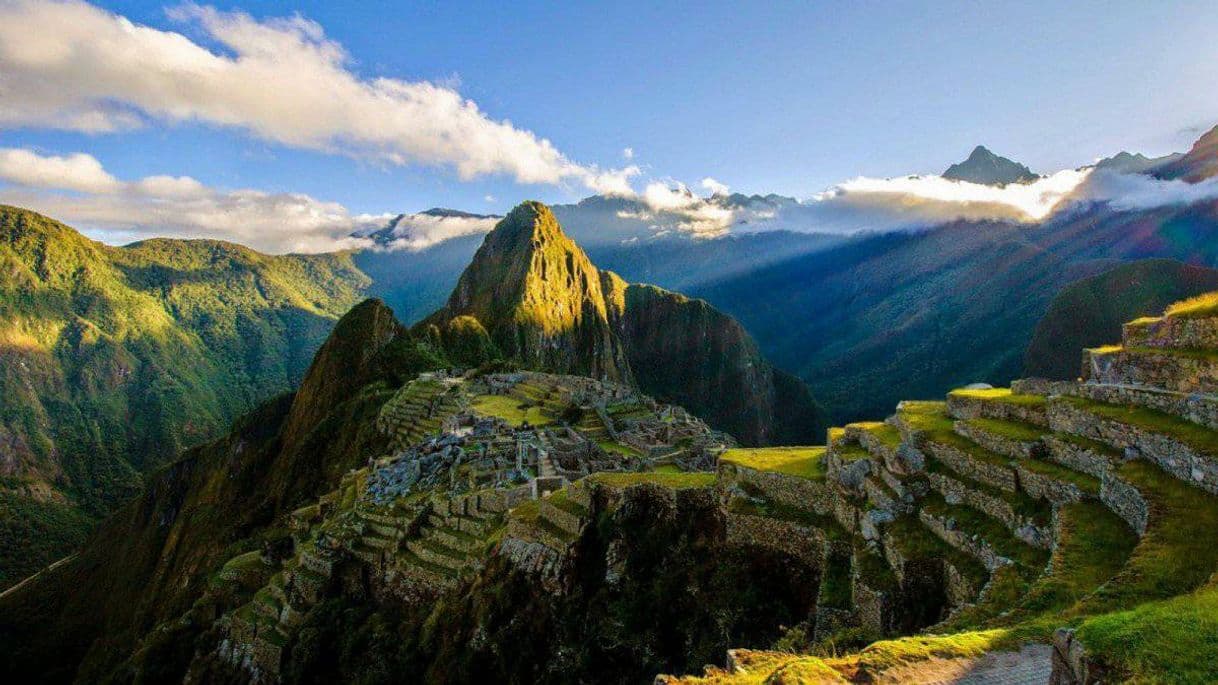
<point x="112" y="360"/>
<point x="983" y="166"/>
<point x="151" y="561"/>
<point x="534" y="296"/>
<point x="913" y="315"/>
<point x="1090" y="312"/>
<point x="1198" y="164"/>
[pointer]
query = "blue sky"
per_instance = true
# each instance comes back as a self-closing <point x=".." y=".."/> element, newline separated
<point x="786" y="97"/>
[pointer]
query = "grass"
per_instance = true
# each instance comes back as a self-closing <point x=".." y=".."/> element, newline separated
<point x="805" y="462"/>
<point x="618" y="448"/>
<point x="676" y="481"/>
<point x="1176" y="555"/>
<point x="1000" y="395"/>
<point x="885" y="433"/>
<point x="1087" y="484"/>
<point x="1190" y="434"/>
<point x="1011" y="430"/>
<point x="1169" y="641"/>
<point x="851" y="453"/>
<point x="932" y="420"/>
<point x="510" y="409"/>
<point x="1198" y="307"/>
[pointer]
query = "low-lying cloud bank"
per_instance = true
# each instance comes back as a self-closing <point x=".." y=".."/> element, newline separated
<point x="907" y="203"/>
<point x="77" y="190"/>
<point x="70" y="65"/>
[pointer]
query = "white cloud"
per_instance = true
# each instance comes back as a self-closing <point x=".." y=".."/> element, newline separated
<point x="893" y="203"/>
<point x="715" y="187"/>
<point x="628" y="153"/>
<point x="77" y="190"/>
<point x="70" y="65"/>
<point x="420" y="231"/>
<point x="488" y="198"/>
<point x="1137" y="191"/>
<point x="77" y="172"/>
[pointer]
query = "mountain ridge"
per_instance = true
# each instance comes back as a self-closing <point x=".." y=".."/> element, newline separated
<point x="985" y="167"/>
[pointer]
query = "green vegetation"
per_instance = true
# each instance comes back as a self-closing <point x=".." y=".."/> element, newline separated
<point x="1012" y="430"/>
<point x="1087" y="484"/>
<point x="915" y="541"/>
<point x="761" y="506"/>
<point x="118" y="358"/>
<point x="1000" y="395"/>
<point x="805" y="462"/>
<point x="676" y="481"/>
<point x="614" y="446"/>
<point x="1159" y="642"/>
<point x="1090" y="312"/>
<point x="510" y="409"/>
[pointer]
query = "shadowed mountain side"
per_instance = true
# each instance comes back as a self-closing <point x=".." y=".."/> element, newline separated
<point x="1089" y="313"/>
<point x="541" y="302"/>
<point x="913" y="315"/>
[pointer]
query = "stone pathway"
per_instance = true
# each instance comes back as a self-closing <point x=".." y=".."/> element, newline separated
<point x="1031" y="665"/>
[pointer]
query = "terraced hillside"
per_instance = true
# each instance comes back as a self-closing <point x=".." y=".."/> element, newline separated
<point x="1050" y="532"/>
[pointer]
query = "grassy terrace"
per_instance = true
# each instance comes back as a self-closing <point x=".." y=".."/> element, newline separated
<point x="1176" y="555"/>
<point x="805" y="462"/>
<point x="885" y="433"/>
<point x="1012" y="430"/>
<point x="1088" y="484"/>
<point x="676" y="481"/>
<point x="760" y="506"/>
<point x="562" y="500"/>
<point x="510" y="409"/>
<point x="1020" y="503"/>
<point x="932" y="420"/>
<point x="1197" y="437"/>
<point x="1206" y="355"/>
<point x="851" y="452"/>
<point x="975" y="523"/>
<point x="1000" y="395"/>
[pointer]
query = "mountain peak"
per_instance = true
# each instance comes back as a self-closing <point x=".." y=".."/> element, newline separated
<point x="983" y="166"/>
<point x="1198" y="164"/>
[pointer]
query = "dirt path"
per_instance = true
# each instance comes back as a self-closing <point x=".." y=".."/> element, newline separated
<point x="1031" y="665"/>
<point x="51" y="567"/>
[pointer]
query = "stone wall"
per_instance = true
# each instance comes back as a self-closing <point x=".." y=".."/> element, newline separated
<point x="1165" y="369"/>
<point x="801" y="542"/>
<point x="801" y="493"/>
<point x="967" y="407"/>
<point x="1173" y="332"/>
<point x="1200" y="409"/>
<point x="998" y="444"/>
<point x="1173" y="456"/>
<point x="991" y="474"/>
